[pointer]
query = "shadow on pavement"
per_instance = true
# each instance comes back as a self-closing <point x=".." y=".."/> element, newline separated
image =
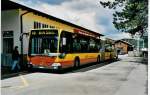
<point x="82" y="68"/>
<point x="140" y="60"/>
<point x="88" y="67"/>
<point x="6" y="72"/>
<point x="5" y="76"/>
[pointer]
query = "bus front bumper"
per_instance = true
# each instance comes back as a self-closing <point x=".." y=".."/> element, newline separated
<point x="54" y="66"/>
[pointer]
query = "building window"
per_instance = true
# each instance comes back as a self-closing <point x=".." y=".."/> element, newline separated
<point x="46" y="26"/>
<point x="120" y="43"/>
<point x="8" y="42"/>
<point x="42" y="25"/>
<point x="51" y="26"/>
<point x="37" y="25"/>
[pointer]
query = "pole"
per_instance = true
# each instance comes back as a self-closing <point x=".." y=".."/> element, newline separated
<point x="21" y="34"/>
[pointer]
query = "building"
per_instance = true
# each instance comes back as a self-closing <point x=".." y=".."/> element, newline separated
<point x="123" y="47"/>
<point x="138" y="44"/>
<point x="17" y="20"/>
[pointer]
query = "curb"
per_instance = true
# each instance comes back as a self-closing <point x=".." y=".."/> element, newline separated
<point x="12" y="75"/>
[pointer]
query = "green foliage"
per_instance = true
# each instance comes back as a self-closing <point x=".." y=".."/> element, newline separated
<point x="134" y="15"/>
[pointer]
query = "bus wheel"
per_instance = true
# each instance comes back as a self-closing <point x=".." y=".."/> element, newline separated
<point x="76" y="62"/>
<point x="98" y="59"/>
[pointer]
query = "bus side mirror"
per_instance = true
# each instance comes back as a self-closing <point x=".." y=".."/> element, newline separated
<point x="62" y="55"/>
<point x="22" y="34"/>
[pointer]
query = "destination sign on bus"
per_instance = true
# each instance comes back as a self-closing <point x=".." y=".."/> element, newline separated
<point x="45" y="32"/>
<point x="86" y="33"/>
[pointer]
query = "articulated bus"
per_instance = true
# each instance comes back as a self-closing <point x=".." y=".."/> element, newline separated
<point x="58" y="49"/>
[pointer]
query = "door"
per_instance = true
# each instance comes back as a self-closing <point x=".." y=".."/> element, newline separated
<point x="8" y="43"/>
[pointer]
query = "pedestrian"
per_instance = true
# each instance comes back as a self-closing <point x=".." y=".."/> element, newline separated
<point x="15" y="58"/>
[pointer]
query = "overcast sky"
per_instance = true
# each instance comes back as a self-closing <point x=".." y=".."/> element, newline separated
<point x="86" y="13"/>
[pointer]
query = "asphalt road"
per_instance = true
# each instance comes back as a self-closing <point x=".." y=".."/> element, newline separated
<point x="125" y="77"/>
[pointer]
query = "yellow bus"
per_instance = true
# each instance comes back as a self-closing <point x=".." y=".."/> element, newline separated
<point x="108" y="50"/>
<point x="58" y="48"/>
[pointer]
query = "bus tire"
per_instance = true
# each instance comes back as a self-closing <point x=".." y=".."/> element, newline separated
<point x="98" y="59"/>
<point x="76" y="62"/>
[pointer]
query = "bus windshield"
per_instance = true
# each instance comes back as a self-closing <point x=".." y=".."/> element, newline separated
<point x="43" y="42"/>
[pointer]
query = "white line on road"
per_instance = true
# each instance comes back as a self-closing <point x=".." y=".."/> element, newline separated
<point x="25" y="83"/>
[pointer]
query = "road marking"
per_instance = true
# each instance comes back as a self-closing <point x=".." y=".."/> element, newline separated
<point x="23" y="80"/>
<point x="25" y="83"/>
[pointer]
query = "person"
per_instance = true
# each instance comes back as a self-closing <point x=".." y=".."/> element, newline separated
<point x="15" y="58"/>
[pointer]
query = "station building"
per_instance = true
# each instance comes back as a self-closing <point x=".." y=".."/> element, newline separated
<point x="123" y="47"/>
<point x="17" y="20"/>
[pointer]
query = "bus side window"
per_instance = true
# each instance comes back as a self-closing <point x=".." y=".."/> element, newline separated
<point x="76" y="45"/>
<point x="83" y="44"/>
<point x="108" y="48"/>
<point x="91" y="45"/>
<point x="66" y="42"/>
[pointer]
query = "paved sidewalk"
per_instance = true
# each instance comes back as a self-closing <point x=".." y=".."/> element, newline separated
<point x="137" y="83"/>
<point x="125" y="77"/>
<point x="6" y="72"/>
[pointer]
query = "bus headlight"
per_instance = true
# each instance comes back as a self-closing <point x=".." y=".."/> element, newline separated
<point x="56" y="65"/>
<point x="62" y="55"/>
<point x="29" y="64"/>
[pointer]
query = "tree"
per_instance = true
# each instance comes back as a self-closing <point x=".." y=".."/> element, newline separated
<point x="133" y="18"/>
